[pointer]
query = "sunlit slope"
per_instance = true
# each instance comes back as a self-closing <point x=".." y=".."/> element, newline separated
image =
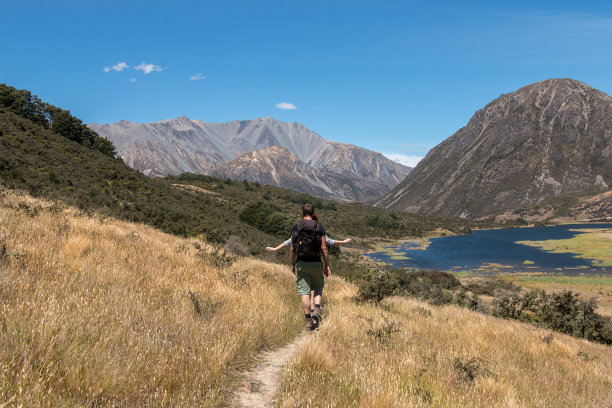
<point x="97" y="312"/>
<point x="410" y="354"/>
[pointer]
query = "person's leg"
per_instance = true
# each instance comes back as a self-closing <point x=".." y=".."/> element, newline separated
<point x="311" y="301"/>
<point x="318" y="296"/>
<point x="303" y="287"/>
<point x="306" y="304"/>
<point x="317" y="282"/>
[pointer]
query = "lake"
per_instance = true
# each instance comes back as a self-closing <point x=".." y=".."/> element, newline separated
<point x="493" y="251"/>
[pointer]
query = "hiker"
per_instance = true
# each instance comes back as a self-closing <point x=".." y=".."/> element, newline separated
<point x="328" y="242"/>
<point x="307" y="245"/>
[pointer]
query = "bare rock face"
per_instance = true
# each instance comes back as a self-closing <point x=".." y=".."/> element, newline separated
<point x="354" y="162"/>
<point x="277" y="166"/>
<point x="549" y="140"/>
<point x="175" y="146"/>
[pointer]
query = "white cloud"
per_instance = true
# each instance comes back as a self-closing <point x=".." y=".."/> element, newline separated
<point x="117" y="67"/>
<point x="148" y="68"/>
<point x="197" y="77"/>
<point x="132" y="79"/>
<point x="406" y="160"/>
<point x="286" y="106"/>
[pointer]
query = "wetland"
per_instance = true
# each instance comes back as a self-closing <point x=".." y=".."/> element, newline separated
<point x="570" y="250"/>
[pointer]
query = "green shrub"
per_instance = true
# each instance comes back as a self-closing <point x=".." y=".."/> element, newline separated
<point x="377" y="284"/>
<point x="268" y="218"/>
<point x="564" y="312"/>
<point x="383" y="221"/>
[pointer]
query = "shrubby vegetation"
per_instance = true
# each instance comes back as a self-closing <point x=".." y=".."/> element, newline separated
<point x="51" y="154"/>
<point x="30" y="107"/>
<point x="564" y="312"/>
<point x="268" y="218"/>
<point x="38" y="160"/>
<point x="383" y="221"/>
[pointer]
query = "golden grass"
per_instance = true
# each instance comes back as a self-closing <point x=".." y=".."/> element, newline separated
<point x="358" y="359"/>
<point x="595" y="244"/>
<point x="100" y="312"/>
<point x="105" y="313"/>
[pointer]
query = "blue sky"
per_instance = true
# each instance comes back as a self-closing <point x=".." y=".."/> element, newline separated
<point x="397" y="77"/>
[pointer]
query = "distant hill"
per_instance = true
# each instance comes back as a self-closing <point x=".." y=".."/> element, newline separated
<point x="171" y="147"/>
<point x="547" y="143"/>
<point x="277" y="166"/>
<point x="46" y="163"/>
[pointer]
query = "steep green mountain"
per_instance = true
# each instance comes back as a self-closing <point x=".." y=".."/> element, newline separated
<point x="549" y="142"/>
<point x="35" y="156"/>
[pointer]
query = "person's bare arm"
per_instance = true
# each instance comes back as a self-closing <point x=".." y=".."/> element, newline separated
<point x="344" y="241"/>
<point x="275" y="248"/>
<point x="327" y="270"/>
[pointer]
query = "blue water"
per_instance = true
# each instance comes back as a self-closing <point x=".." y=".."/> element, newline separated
<point x="469" y="252"/>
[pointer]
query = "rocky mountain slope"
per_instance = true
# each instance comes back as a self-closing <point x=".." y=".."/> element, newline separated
<point x="547" y="142"/>
<point x="175" y="146"/>
<point x="277" y="166"/>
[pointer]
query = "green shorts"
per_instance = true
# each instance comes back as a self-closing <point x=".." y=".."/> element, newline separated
<point x="309" y="276"/>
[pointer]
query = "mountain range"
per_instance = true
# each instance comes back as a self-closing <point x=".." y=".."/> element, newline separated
<point x="548" y="143"/>
<point x="265" y="150"/>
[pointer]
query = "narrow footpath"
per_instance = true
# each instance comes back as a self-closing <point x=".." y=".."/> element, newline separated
<point x="262" y="382"/>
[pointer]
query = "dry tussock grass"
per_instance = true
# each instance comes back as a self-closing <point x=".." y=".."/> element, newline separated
<point x="442" y="357"/>
<point x="102" y="312"/>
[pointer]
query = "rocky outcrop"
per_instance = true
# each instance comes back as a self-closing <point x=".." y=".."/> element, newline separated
<point x="175" y="146"/>
<point x="277" y="166"/>
<point x="547" y="141"/>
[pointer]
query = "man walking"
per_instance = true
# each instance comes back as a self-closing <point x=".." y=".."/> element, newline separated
<point x="307" y="245"/>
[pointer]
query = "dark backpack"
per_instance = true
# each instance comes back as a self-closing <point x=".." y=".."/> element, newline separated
<point x="308" y="241"/>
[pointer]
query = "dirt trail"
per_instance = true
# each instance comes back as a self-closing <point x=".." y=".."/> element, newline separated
<point x="260" y="384"/>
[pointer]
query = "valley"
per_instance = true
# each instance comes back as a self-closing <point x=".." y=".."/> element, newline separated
<point x="155" y="157"/>
<point x="96" y="310"/>
<point x="126" y="272"/>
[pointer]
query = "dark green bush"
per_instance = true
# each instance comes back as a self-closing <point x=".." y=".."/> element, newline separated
<point x="513" y="305"/>
<point x="564" y="312"/>
<point x="383" y="221"/>
<point x="377" y="284"/>
<point x="268" y="218"/>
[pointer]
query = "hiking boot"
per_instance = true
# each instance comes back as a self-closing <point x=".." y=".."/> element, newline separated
<point x="309" y="325"/>
<point x="317" y="315"/>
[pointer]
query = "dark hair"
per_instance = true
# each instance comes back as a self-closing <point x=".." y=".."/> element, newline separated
<point x="314" y="217"/>
<point x="308" y="209"/>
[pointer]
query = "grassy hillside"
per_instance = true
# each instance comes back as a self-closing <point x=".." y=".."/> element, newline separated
<point x="110" y="313"/>
<point x="341" y="219"/>
<point x="50" y="154"/>
<point x="99" y="312"/>
<point x="406" y="353"/>
<point x="46" y="164"/>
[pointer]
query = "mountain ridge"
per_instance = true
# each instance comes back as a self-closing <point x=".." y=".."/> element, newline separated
<point x="277" y="166"/>
<point x="174" y="146"/>
<point x="548" y="140"/>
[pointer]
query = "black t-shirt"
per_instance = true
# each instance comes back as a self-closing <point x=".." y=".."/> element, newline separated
<point x="320" y="233"/>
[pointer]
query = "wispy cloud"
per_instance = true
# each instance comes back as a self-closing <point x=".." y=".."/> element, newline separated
<point x="132" y="79"/>
<point x="117" y="67"/>
<point x="406" y="160"/>
<point x="286" y="106"/>
<point x="148" y="68"/>
<point x="197" y="77"/>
